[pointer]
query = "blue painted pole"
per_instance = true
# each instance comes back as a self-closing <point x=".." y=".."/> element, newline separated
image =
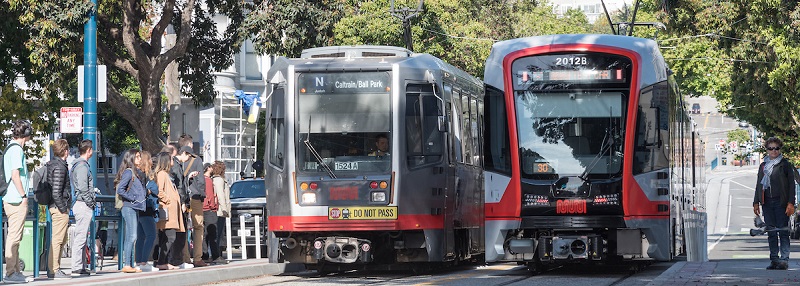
<point x="90" y="102"/>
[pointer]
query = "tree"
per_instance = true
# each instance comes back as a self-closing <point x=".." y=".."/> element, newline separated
<point x="130" y="44"/>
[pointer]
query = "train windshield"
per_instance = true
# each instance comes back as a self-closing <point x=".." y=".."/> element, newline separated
<point x="344" y="123"/>
<point x="570" y="111"/>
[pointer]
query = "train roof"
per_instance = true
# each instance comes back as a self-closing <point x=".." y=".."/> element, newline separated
<point x="652" y="69"/>
<point x="366" y="58"/>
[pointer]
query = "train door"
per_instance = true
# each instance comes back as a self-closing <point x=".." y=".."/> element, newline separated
<point x="425" y="145"/>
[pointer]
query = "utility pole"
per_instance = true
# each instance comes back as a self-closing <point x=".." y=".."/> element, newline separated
<point x="406" y="15"/>
<point x="90" y="102"/>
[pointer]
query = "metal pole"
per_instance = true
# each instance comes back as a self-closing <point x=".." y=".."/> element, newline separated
<point x="228" y="248"/>
<point x="90" y="104"/>
<point x="258" y="238"/>
<point x="243" y="237"/>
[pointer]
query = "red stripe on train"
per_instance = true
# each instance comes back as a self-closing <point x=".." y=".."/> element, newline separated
<point x="321" y="223"/>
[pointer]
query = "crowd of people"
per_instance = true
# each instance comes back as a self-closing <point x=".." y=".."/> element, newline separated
<point x="168" y="202"/>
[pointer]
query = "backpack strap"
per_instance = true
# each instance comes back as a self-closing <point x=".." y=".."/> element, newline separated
<point x="189" y="167"/>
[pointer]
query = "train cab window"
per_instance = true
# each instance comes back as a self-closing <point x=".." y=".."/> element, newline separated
<point x="457" y="134"/>
<point x="276" y="129"/>
<point x="423" y="139"/>
<point x="652" y="132"/>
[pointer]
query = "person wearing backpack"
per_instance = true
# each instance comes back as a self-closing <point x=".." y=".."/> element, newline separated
<point x="58" y="180"/>
<point x="223" y="195"/>
<point x="83" y="208"/>
<point x="15" y="201"/>
<point x="195" y="192"/>
<point x="131" y="191"/>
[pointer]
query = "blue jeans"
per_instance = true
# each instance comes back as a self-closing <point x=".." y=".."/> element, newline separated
<point x="775" y="216"/>
<point x="145" y="238"/>
<point x="130" y="219"/>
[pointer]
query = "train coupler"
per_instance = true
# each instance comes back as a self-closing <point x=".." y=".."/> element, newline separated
<point x="342" y="249"/>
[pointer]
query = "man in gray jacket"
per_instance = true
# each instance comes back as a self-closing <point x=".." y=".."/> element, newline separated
<point x="83" y="208"/>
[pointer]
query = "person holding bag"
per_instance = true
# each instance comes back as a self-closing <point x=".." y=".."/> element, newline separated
<point x="131" y="192"/>
<point x="171" y="227"/>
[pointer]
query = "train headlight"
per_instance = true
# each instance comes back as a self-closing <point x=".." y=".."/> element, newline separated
<point x="530" y="200"/>
<point x="378" y="196"/>
<point x="610" y="199"/>
<point x="309" y="198"/>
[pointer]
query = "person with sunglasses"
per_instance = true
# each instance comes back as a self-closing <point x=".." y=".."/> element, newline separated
<point x="775" y="195"/>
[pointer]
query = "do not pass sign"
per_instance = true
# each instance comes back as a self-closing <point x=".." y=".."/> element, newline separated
<point x="71" y="120"/>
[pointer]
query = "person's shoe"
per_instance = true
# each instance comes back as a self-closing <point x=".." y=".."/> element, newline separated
<point x="60" y="275"/>
<point x="186" y="266"/>
<point x="783" y="265"/>
<point x="82" y="272"/>
<point x="200" y="263"/>
<point x="220" y="260"/>
<point x="128" y="269"/>
<point x="147" y="268"/>
<point x="17" y="278"/>
<point x="772" y="265"/>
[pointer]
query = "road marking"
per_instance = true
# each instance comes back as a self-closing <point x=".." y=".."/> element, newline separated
<point x="744" y="229"/>
<point x="748" y="187"/>
<point x="723" y="230"/>
<point x="502" y="267"/>
<point x="706" y="122"/>
<point x="746" y="256"/>
<point x="727" y="225"/>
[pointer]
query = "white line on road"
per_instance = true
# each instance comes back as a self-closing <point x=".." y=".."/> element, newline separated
<point x="727" y="226"/>
<point x="748" y="187"/>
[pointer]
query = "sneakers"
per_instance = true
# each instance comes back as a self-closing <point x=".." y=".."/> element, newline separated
<point x="783" y="265"/>
<point x="17" y="278"/>
<point x="82" y="272"/>
<point x="772" y="265"/>
<point x="128" y="269"/>
<point x="220" y="260"/>
<point x="186" y="266"/>
<point x="60" y="275"/>
<point x="200" y="263"/>
<point x="147" y="268"/>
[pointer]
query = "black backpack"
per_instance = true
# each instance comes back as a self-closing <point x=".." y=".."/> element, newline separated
<point x="3" y="180"/>
<point x="42" y="190"/>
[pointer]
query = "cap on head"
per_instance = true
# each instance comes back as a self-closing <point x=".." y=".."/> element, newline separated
<point x="186" y="149"/>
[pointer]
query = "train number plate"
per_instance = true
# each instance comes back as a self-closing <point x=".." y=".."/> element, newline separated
<point x="571" y="206"/>
<point x="356" y="213"/>
<point x="346" y="166"/>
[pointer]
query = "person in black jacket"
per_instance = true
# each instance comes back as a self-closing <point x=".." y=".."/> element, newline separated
<point x="58" y="178"/>
<point x="775" y="193"/>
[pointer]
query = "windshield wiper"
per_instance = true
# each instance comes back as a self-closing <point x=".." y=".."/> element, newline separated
<point x="315" y="153"/>
<point x="608" y="142"/>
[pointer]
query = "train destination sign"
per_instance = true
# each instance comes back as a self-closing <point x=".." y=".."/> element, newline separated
<point x="564" y="69"/>
<point x="374" y="82"/>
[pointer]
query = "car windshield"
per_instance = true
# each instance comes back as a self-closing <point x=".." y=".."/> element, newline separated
<point x="248" y="189"/>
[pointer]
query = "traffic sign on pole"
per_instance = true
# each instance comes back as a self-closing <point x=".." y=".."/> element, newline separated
<point x="71" y="120"/>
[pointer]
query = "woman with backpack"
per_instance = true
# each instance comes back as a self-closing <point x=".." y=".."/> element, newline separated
<point x="146" y="231"/>
<point x="171" y="227"/>
<point x="210" y="206"/>
<point x="132" y="194"/>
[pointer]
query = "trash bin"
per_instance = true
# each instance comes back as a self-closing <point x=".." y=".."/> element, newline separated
<point x="26" y="245"/>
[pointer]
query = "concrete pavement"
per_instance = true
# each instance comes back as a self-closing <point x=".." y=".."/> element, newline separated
<point x="237" y="269"/>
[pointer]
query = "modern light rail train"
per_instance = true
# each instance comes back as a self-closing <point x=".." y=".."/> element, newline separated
<point x="590" y="155"/>
<point x="374" y="156"/>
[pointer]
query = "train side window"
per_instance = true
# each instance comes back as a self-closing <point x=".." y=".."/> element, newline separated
<point x="277" y="129"/>
<point x="466" y="128"/>
<point x="474" y="130"/>
<point x="457" y="134"/>
<point x="497" y="145"/>
<point x="423" y="139"/>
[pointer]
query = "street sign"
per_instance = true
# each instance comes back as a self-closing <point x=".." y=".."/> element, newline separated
<point x="101" y="83"/>
<point x="71" y="120"/>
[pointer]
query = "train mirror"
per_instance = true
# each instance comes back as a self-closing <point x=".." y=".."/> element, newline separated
<point x="278" y="78"/>
<point x="442" y="122"/>
<point x="429" y="77"/>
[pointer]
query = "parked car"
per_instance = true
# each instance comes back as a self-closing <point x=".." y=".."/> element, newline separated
<point x="696" y="108"/>
<point x="249" y="199"/>
<point x="743" y="124"/>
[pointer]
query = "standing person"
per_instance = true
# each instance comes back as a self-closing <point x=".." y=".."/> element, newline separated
<point x="146" y="230"/>
<point x="184" y="156"/>
<point x="171" y="226"/>
<point x="775" y="193"/>
<point x="179" y="179"/>
<point x="223" y="194"/>
<point x="15" y="202"/>
<point x="84" y="205"/>
<point x="131" y="191"/>
<point x="58" y="178"/>
<point x="210" y="207"/>
<point x="196" y="192"/>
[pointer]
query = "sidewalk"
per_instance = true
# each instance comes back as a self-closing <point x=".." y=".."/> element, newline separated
<point x="236" y="269"/>
<point x="728" y="272"/>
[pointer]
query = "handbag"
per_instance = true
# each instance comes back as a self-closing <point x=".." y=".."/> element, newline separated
<point x="151" y="203"/>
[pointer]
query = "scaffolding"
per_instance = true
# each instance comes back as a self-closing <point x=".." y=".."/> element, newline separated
<point x="236" y="138"/>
